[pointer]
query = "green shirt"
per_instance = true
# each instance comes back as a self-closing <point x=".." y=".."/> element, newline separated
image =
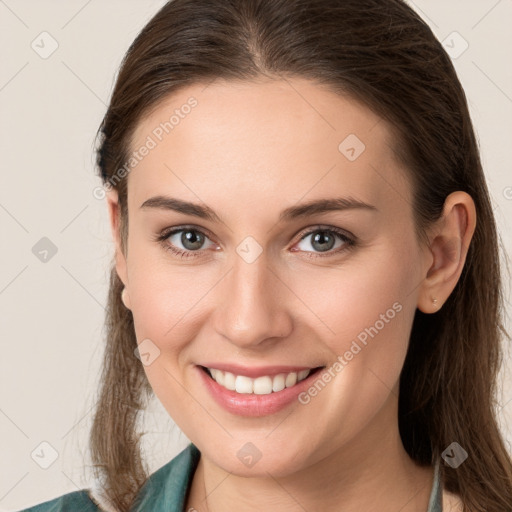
<point x="166" y="490"/>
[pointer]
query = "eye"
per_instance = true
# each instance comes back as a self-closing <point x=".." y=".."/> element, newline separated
<point x="184" y="241"/>
<point x="324" y="240"/>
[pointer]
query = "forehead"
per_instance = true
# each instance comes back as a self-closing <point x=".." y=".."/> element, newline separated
<point x="279" y="140"/>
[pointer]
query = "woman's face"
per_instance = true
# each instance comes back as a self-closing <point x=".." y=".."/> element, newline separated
<point x="267" y="285"/>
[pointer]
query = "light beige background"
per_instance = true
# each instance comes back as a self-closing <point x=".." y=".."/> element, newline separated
<point x="51" y="313"/>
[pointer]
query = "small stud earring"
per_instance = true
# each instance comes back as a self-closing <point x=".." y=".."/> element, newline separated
<point x="434" y="301"/>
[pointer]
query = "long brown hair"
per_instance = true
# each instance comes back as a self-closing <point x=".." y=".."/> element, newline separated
<point x="379" y="52"/>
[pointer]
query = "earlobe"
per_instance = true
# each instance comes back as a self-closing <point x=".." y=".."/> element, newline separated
<point x="125" y="298"/>
<point x="114" y="216"/>
<point x="449" y="243"/>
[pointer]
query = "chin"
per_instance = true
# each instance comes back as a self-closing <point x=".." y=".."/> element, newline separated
<point x="259" y="458"/>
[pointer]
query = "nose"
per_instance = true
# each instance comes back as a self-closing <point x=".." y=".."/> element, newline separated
<point x="252" y="309"/>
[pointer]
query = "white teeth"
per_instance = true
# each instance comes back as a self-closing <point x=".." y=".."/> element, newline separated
<point x="291" y="380"/>
<point x="229" y="380"/>
<point x="243" y="384"/>
<point x="302" y="374"/>
<point x="278" y="383"/>
<point x="219" y="377"/>
<point x="260" y="386"/>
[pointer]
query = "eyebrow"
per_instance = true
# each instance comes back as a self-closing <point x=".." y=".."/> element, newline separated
<point x="293" y="212"/>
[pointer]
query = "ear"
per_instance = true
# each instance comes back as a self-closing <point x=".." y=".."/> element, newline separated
<point x="114" y="212"/>
<point x="449" y="241"/>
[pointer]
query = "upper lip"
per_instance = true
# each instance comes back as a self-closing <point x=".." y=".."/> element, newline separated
<point x="257" y="371"/>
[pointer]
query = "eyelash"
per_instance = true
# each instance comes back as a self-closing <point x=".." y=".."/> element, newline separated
<point x="164" y="235"/>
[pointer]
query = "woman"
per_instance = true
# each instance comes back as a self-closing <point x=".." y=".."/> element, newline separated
<point x="306" y="271"/>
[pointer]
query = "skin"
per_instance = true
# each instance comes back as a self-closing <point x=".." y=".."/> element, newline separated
<point x="248" y="151"/>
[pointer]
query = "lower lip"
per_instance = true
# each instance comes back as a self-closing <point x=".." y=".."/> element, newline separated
<point x="245" y="404"/>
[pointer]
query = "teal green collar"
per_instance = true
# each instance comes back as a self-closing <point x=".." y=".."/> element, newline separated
<point x="167" y="489"/>
<point x="435" y="503"/>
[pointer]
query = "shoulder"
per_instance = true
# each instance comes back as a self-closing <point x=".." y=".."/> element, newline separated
<point x="77" y="501"/>
<point x="451" y="502"/>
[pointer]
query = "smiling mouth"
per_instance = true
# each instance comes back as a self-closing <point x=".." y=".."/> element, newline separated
<point x="264" y="385"/>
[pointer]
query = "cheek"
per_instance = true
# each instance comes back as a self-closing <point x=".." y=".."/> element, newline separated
<point x="367" y="298"/>
<point x="164" y="293"/>
<point x="367" y="311"/>
<point x="165" y="302"/>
